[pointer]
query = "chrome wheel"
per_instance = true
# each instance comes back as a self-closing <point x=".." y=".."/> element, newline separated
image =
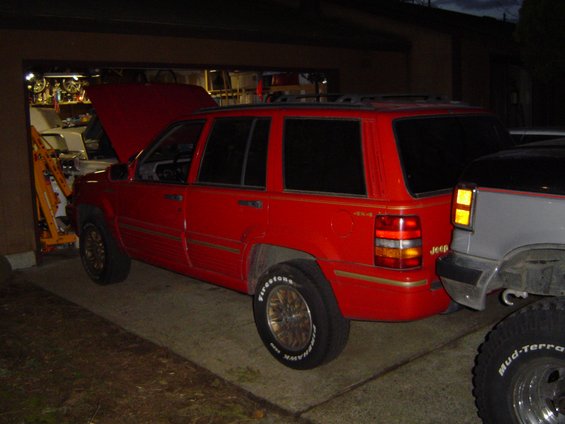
<point x="539" y="392"/>
<point x="94" y="250"/>
<point x="289" y="318"/>
<point x="102" y="259"/>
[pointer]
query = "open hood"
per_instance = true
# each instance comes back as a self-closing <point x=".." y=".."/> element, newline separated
<point x="133" y="114"/>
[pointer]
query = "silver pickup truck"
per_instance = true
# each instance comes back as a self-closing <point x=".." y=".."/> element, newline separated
<point x="509" y="217"/>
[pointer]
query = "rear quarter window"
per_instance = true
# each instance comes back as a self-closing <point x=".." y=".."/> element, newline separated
<point x="435" y="150"/>
<point x="324" y="156"/>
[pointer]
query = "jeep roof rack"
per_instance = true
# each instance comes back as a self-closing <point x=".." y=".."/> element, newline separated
<point x="361" y="98"/>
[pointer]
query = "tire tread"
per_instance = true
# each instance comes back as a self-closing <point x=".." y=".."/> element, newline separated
<point x="118" y="262"/>
<point x="339" y="326"/>
<point x="543" y="316"/>
<point x="336" y="327"/>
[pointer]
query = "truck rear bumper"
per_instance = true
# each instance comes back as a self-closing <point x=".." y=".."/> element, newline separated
<point x="468" y="279"/>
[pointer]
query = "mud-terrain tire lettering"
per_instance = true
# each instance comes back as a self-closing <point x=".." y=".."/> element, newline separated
<point x="520" y="369"/>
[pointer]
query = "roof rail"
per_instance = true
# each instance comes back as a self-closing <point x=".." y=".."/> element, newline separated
<point x="278" y="97"/>
<point x="359" y="98"/>
<point x="400" y="97"/>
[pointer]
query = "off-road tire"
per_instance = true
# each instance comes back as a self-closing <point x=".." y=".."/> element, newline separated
<point x="297" y="315"/>
<point x="519" y="375"/>
<point x="102" y="259"/>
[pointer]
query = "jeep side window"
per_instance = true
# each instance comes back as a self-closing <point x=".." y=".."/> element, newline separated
<point x="236" y="153"/>
<point x="323" y="155"/>
<point x="168" y="160"/>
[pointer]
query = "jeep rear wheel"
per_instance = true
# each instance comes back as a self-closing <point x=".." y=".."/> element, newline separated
<point x="101" y="257"/>
<point x="520" y="371"/>
<point x="297" y="315"/>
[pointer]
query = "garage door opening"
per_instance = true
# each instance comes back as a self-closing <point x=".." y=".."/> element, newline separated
<point x="54" y="88"/>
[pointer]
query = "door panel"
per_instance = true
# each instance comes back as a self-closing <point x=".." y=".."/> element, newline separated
<point x="152" y="213"/>
<point x="228" y="204"/>
<point x="220" y="226"/>
<point x="152" y="222"/>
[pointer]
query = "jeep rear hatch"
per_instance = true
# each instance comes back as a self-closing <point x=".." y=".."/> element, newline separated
<point x="133" y="114"/>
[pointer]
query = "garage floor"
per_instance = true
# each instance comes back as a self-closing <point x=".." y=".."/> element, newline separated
<point x="418" y="372"/>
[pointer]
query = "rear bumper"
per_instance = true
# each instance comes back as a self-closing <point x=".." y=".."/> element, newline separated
<point x="388" y="295"/>
<point x="468" y="279"/>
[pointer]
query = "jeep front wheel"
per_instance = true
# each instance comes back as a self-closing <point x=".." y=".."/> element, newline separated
<point x="101" y="257"/>
<point x="297" y="315"/>
<point x="520" y="371"/>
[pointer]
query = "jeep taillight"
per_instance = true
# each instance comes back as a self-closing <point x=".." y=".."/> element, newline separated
<point x="398" y="241"/>
<point x="462" y="210"/>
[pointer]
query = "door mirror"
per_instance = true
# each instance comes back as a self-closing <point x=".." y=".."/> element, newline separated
<point x="119" y="172"/>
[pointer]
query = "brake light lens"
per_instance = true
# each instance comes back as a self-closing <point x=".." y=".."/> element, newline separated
<point x="398" y="242"/>
<point x="462" y="210"/>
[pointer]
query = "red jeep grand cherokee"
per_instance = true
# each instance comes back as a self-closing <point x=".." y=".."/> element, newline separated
<point x="324" y="212"/>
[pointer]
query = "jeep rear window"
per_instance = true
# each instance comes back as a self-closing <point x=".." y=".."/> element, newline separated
<point x="236" y="153"/>
<point x="435" y="150"/>
<point x="323" y="155"/>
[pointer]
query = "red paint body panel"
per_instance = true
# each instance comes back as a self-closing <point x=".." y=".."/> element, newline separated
<point x="212" y="232"/>
<point x="219" y="228"/>
<point x="152" y="223"/>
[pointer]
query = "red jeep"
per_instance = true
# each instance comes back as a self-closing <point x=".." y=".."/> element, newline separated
<point x="324" y="212"/>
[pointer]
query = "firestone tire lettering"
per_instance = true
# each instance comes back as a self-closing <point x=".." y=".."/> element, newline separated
<point x="328" y="329"/>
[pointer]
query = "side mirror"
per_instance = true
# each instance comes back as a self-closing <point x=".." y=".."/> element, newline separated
<point x="119" y="172"/>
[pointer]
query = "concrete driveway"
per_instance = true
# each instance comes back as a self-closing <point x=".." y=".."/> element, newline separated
<point x="418" y="372"/>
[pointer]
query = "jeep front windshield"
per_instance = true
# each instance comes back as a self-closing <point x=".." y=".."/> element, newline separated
<point x="435" y="150"/>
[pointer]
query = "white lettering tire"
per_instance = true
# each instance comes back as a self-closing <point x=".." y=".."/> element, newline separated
<point x="519" y="375"/>
<point x="297" y="315"/>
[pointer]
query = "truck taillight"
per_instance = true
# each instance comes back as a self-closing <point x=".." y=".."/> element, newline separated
<point x="398" y="241"/>
<point x="462" y="210"/>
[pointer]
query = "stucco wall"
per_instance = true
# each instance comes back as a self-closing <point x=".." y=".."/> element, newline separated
<point x="17" y="232"/>
<point x="429" y="63"/>
<point x="475" y="73"/>
<point x="357" y="70"/>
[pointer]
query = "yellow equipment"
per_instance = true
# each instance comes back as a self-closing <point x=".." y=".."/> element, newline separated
<point x="47" y="165"/>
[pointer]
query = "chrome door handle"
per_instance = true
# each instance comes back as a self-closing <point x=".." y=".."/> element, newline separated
<point x="251" y="203"/>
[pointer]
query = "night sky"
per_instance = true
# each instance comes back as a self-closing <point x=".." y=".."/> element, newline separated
<point x="494" y="8"/>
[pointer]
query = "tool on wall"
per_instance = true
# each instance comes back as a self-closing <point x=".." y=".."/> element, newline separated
<point x="47" y="173"/>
